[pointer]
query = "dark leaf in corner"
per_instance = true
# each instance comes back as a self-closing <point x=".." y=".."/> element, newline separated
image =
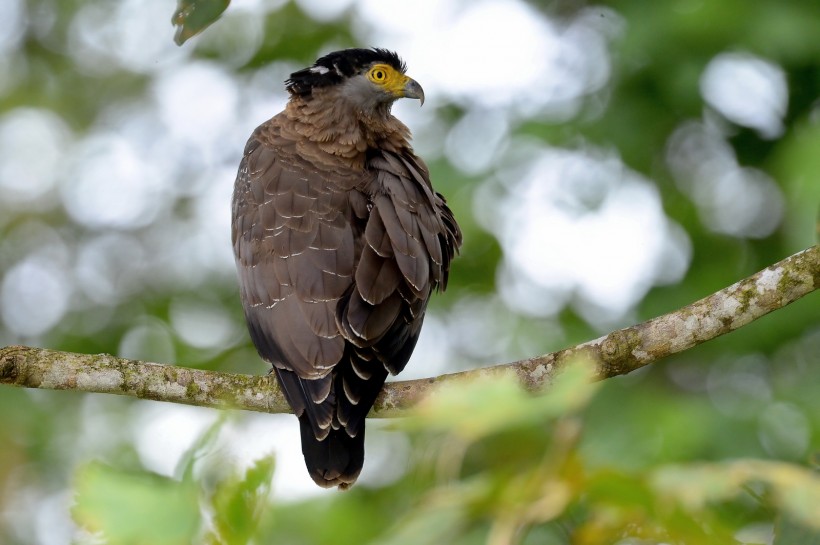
<point x="193" y="16"/>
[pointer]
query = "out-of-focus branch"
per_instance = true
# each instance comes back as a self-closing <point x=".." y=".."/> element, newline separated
<point x="614" y="354"/>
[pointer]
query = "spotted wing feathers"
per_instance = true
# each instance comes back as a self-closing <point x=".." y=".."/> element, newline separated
<point x="336" y="267"/>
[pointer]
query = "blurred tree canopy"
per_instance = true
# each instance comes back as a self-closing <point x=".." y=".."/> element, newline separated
<point x="609" y="162"/>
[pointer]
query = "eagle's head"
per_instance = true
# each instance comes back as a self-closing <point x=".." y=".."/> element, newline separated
<point x="370" y="79"/>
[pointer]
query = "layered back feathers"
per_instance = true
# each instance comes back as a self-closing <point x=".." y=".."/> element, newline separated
<point x="340" y="240"/>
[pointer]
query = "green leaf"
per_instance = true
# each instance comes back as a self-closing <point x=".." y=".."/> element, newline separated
<point x="442" y="516"/>
<point x="239" y="503"/>
<point x="788" y="532"/>
<point x="135" y="508"/>
<point x="194" y="16"/>
<point x="200" y="447"/>
<point x="488" y="405"/>
<point x="796" y="490"/>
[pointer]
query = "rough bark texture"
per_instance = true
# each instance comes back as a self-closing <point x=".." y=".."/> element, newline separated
<point x="614" y="354"/>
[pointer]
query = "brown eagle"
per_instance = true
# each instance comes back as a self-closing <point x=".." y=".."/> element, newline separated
<point x="340" y="239"/>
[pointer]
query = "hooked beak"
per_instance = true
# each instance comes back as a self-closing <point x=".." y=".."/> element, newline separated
<point x="412" y="89"/>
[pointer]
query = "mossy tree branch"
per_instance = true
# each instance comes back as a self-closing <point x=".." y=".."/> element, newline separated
<point x="614" y="354"/>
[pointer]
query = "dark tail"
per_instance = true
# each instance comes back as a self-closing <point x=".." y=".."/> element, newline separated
<point x="335" y="461"/>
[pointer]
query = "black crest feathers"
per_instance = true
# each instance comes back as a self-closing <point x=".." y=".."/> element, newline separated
<point x="335" y="67"/>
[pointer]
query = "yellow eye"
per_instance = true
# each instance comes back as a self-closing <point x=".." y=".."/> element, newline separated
<point x="378" y="75"/>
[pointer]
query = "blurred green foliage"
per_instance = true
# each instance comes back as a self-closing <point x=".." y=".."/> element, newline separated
<point x="134" y="508"/>
<point x="495" y="464"/>
<point x="717" y="445"/>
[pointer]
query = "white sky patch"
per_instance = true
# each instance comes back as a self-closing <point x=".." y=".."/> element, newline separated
<point x="745" y="202"/>
<point x="747" y="90"/>
<point x="192" y="248"/>
<point x="139" y="122"/>
<point x="33" y="144"/>
<point x="256" y="436"/>
<point x="494" y="52"/>
<point x="109" y="267"/>
<point x="324" y="10"/>
<point x="503" y="48"/>
<point x="201" y="324"/>
<point x="432" y="355"/>
<point x="34" y="296"/>
<point x="134" y="35"/>
<point x="198" y="103"/>
<point x="736" y="201"/>
<point x="263" y="95"/>
<point x="237" y="36"/>
<point x="580" y="224"/>
<point x="473" y="144"/>
<point x="163" y="432"/>
<point x="212" y="216"/>
<point x="148" y="341"/>
<point x="13" y="22"/>
<point x="403" y="18"/>
<point x="253" y="436"/>
<point x="53" y="522"/>
<point x="108" y="184"/>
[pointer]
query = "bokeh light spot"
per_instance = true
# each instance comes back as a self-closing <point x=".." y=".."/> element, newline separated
<point x="33" y="143"/>
<point x="197" y="103"/>
<point x="579" y="224"/>
<point x="737" y="201"/>
<point x="747" y="90"/>
<point x="34" y="296"/>
<point x="201" y="324"/>
<point x="110" y="185"/>
<point x="149" y="341"/>
<point x="784" y="431"/>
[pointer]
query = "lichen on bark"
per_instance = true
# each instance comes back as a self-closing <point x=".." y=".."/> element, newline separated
<point x="614" y="354"/>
